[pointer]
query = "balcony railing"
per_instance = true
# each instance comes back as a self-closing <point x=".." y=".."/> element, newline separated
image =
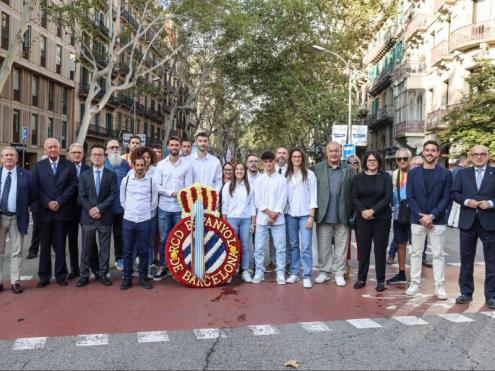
<point x="407" y="68"/>
<point x="415" y="26"/>
<point x="382" y="80"/>
<point x="385" y="44"/>
<point x="383" y="115"/>
<point x="130" y="19"/>
<point x="405" y="127"/>
<point x="100" y="131"/>
<point x="125" y="100"/>
<point x="470" y="35"/>
<point x="439" y="52"/>
<point x="436" y="119"/>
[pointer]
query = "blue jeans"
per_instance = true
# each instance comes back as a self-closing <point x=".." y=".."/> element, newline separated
<point x="241" y="227"/>
<point x="279" y="238"/>
<point x="166" y="221"/>
<point x="136" y="236"/>
<point x="304" y="254"/>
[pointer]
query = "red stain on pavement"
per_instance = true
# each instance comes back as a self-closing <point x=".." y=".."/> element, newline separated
<point x="69" y="311"/>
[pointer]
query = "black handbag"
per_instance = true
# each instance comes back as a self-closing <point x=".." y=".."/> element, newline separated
<point x="404" y="216"/>
<point x="352" y="220"/>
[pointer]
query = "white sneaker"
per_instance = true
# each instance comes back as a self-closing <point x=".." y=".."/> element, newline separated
<point x="440" y="293"/>
<point x="340" y="281"/>
<point x="322" y="277"/>
<point x="307" y="283"/>
<point x="293" y="278"/>
<point x="412" y="290"/>
<point x="258" y="278"/>
<point x="281" y="279"/>
<point x="246" y="277"/>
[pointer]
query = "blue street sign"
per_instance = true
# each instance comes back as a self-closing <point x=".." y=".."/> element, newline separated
<point x="24" y="134"/>
<point x="348" y="150"/>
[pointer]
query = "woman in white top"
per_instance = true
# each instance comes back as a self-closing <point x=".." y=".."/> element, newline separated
<point x="301" y="207"/>
<point x="239" y="210"/>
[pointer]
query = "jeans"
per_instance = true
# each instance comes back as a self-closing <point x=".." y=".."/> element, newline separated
<point x="279" y="238"/>
<point x="304" y="254"/>
<point x="436" y="237"/>
<point x="166" y="221"/>
<point x="136" y="236"/>
<point x="241" y="227"/>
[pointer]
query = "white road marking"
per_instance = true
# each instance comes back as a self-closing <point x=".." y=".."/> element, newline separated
<point x="26" y="278"/>
<point x="480" y="263"/>
<point x="489" y="314"/>
<point x="391" y="307"/>
<point x="410" y="320"/>
<point x="262" y="330"/>
<point x="208" y="333"/>
<point x="456" y="317"/>
<point x="314" y="326"/>
<point x="363" y="323"/>
<point x="92" y="340"/>
<point x="29" y="343"/>
<point x="454" y="264"/>
<point x="152" y="336"/>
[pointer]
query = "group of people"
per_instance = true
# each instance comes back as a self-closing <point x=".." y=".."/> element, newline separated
<point x="134" y="197"/>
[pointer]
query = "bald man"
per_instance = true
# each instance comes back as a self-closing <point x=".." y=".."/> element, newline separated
<point x="474" y="190"/>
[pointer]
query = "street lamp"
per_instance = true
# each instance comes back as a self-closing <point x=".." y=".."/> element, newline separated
<point x="349" y="72"/>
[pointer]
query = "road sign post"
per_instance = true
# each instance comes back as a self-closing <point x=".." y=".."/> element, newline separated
<point x="24" y="139"/>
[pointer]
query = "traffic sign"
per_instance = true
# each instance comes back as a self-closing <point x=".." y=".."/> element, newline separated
<point x="348" y="150"/>
<point x="24" y="134"/>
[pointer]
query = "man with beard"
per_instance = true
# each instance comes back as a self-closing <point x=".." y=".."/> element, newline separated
<point x="134" y="143"/>
<point x="171" y="175"/>
<point x="281" y="158"/>
<point x="252" y="163"/>
<point x="121" y="167"/>
<point x="206" y="168"/>
<point x="186" y="147"/>
<point x="428" y="192"/>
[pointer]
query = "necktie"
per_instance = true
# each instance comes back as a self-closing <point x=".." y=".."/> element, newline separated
<point x="78" y="167"/>
<point x="98" y="182"/>
<point x="4" y="202"/>
<point x="54" y="167"/>
<point x="280" y="170"/>
<point x="479" y="177"/>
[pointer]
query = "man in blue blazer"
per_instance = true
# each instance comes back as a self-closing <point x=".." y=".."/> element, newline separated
<point x="16" y="193"/>
<point x="56" y="181"/>
<point x="428" y="193"/>
<point x="474" y="190"/>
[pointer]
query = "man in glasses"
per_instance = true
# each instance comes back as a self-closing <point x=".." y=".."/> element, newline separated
<point x="120" y="167"/>
<point x="474" y="190"/>
<point x="402" y="225"/>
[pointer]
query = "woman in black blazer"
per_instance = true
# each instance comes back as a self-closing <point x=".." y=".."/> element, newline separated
<point x="372" y="197"/>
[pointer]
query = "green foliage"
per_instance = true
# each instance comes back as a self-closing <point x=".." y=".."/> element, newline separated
<point x="473" y="122"/>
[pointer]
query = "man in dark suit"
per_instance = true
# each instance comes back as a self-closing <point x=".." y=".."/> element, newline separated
<point x="428" y="192"/>
<point x="97" y="190"/>
<point x="16" y="193"/>
<point x="474" y="190"/>
<point x="76" y="155"/>
<point x="56" y="181"/>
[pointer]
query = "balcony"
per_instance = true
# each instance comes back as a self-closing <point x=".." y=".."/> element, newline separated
<point x="415" y="27"/>
<point x="154" y="115"/>
<point x="99" y="131"/>
<point x="409" y="128"/>
<point x="125" y="101"/>
<point x="405" y="70"/>
<point x="472" y="35"/>
<point x="385" y="45"/>
<point x="442" y="6"/>
<point x="130" y="19"/>
<point x="440" y="53"/>
<point x="435" y="120"/>
<point x="383" y="116"/>
<point x="382" y="81"/>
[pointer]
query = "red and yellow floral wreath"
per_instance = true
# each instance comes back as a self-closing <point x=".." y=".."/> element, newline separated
<point x="188" y="196"/>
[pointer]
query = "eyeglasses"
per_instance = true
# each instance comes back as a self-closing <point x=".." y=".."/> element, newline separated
<point x="352" y="162"/>
<point x="113" y="147"/>
<point x="483" y="154"/>
<point x="404" y="159"/>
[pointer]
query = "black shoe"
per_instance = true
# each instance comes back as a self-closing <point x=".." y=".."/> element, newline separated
<point x="145" y="284"/>
<point x="397" y="280"/>
<point x="42" y="284"/>
<point x="1" y="287"/>
<point x="490" y="303"/>
<point x="83" y="281"/>
<point x="16" y="288"/>
<point x="380" y="287"/>
<point x="32" y="255"/>
<point x="105" y="281"/>
<point x="359" y="284"/>
<point x="125" y="284"/>
<point x="62" y="282"/>
<point x="463" y="299"/>
<point x="73" y="275"/>
<point x="97" y="276"/>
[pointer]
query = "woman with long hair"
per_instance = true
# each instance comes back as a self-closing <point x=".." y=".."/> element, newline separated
<point x="239" y="210"/>
<point x="301" y="207"/>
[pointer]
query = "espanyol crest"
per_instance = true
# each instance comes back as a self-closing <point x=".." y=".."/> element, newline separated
<point x="202" y="250"/>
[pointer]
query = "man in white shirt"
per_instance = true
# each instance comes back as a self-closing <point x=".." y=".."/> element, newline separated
<point x="270" y="192"/>
<point x="186" y="147"/>
<point x="252" y="163"/>
<point x="171" y="175"/>
<point x="206" y="168"/>
<point x="139" y="198"/>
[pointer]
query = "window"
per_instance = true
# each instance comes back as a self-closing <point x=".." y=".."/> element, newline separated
<point x="5" y="30"/>
<point x="119" y="120"/>
<point x="34" y="129"/>
<point x="97" y="119"/>
<point x="44" y="17"/>
<point x="146" y="128"/>
<point x="445" y="94"/>
<point x="51" y="92"/>
<point x="72" y="65"/>
<point x="64" y="134"/>
<point x="59" y="29"/>
<point x="43" y="51"/>
<point x="34" y="90"/>
<point x="82" y="110"/>
<point x="26" y="44"/>
<point x="58" y="59"/>
<point x="65" y="94"/>
<point x="109" y="123"/>
<point x="16" y="84"/>
<point x="482" y="11"/>
<point x="16" y="126"/>
<point x="49" y="127"/>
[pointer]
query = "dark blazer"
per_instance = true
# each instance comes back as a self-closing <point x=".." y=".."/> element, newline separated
<point x="87" y="196"/>
<point x="25" y="195"/>
<point x="59" y="187"/>
<point x="76" y="208"/>
<point x="435" y="200"/>
<point x="383" y="198"/>
<point x="464" y="188"/>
